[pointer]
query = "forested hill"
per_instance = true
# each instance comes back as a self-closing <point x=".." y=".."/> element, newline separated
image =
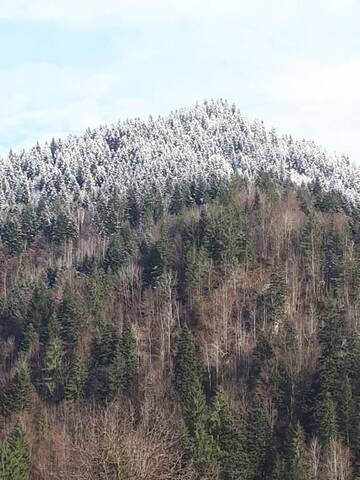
<point x="192" y="148"/>
<point x="201" y="325"/>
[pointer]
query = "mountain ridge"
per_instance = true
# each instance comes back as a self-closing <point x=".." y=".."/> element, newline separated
<point x="208" y="143"/>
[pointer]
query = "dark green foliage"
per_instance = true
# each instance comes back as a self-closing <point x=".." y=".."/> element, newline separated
<point x="222" y="237"/>
<point x="333" y="348"/>
<point x="276" y="295"/>
<point x="259" y="440"/>
<point x="110" y="214"/>
<point x="128" y="347"/>
<point x="286" y="374"/>
<point x="17" y="395"/>
<point x="133" y="210"/>
<point x="12" y="236"/>
<point x="298" y="465"/>
<point x="198" y="441"/>
<point x="230" y="438"/>
<point x="60" y="228"/>
<point x="40" y="310"/>
<point x="262" y="353"/>
<point x="311" y="243"/>
<point x="198" y="267"/>
<point x="187" y="368"/>
<point x="106" y="374"/>
<point x="176" y="202"/>
<point x="154" y="265"/>
<point x="76" y="381"/>
<point x="119" y="250"/>
<point x="53" y="358"/>
<point x="29" y="224"/>
<point x="14" y="456"/>
<point x="332" y="258"/>
<point x="70" y="317"/>
<point x="327" y="422"/>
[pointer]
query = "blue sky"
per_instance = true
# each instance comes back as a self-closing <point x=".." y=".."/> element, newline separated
<point x="66" y="65"/>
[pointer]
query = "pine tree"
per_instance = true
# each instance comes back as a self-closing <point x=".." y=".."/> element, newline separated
<point x="53" y="363"/>
<point x="199" y="443"/>
<point x="17" y="395"/>
<point x="262" y="353"/>
<point x="119" y="250"/>
<point x="299" y="462"/>
<point x="277" y="295"/>
<point x="259" y="440"/>
<point x="230" y="439"/>
<point x="14" y="456"/>
<point x="176" y="201"/>
<point x="333" y="353"/>
<point x="327" y="421"/>
<point x="75" y="385"/>
<point x="102" y="355"/>
<point x="153" y="266"/>
<point x="70" y="317"/>
<point x="311" y="243"/>
<point x="128" y="347"/>
<point x="12" y="236"/>
<point x="116" y="373"/>
<point x="29" y="223"/>
<point x="40" y="310"/>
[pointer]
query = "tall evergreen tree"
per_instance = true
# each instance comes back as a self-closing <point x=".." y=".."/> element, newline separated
<point x="230" y="438"/>
<point x="76" y="381"/>
<point x="70" y="317"/>
<point x="259" y="440"/>
<point x="14" y="456"/>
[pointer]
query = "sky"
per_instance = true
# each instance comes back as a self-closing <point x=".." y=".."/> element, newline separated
<point x="71" y="64"/>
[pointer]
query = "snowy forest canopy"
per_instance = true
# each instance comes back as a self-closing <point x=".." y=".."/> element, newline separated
<point x="204" y="145"/>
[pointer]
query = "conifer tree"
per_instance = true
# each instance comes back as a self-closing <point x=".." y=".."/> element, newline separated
<point x="299" y="462"/>
<point x="259" y="440"/>
<point x="277" y="294"/>
<point x="75" y="385"/>
<point x="332" y="343"/>
<point x="70" y="317"/>
<point x="176" y="202"/>
<point x="53" y="363"/>
<point x="12" y="236"/>
<point x="14" y="456"/>
<point x="102" y="355"/>
<point x="199" y="443"/>
<point x="327" y="421"/>
<point x="311" y="243"/>
<point x="17" y="395"/>
<point x="230" y="438"/>
<point x="119" y="250"/>
<point x="128" y="347"/>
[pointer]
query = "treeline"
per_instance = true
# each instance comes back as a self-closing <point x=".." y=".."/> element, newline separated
<point x="211" y="336"/>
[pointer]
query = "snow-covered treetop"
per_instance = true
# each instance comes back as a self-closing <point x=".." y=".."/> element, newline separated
<point x="207" y="143"/>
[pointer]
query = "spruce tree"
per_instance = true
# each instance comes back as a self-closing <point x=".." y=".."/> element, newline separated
<point x="327" y="422"/>
<point x="299" y="461"/>
<point x="70" y="317"/>
<point x="199" y="443"/>
<point x="17" y="395"/>
<point x="128" y="347"/>
<point x="230" y="438"/>
<point x="259" y="440"/>
<point x="52" y="374"/>
<point x="14" y="456"/>
<point x="75" y="385"/>
<point x="119" y="250"/>
<point x="277" y="294"/>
